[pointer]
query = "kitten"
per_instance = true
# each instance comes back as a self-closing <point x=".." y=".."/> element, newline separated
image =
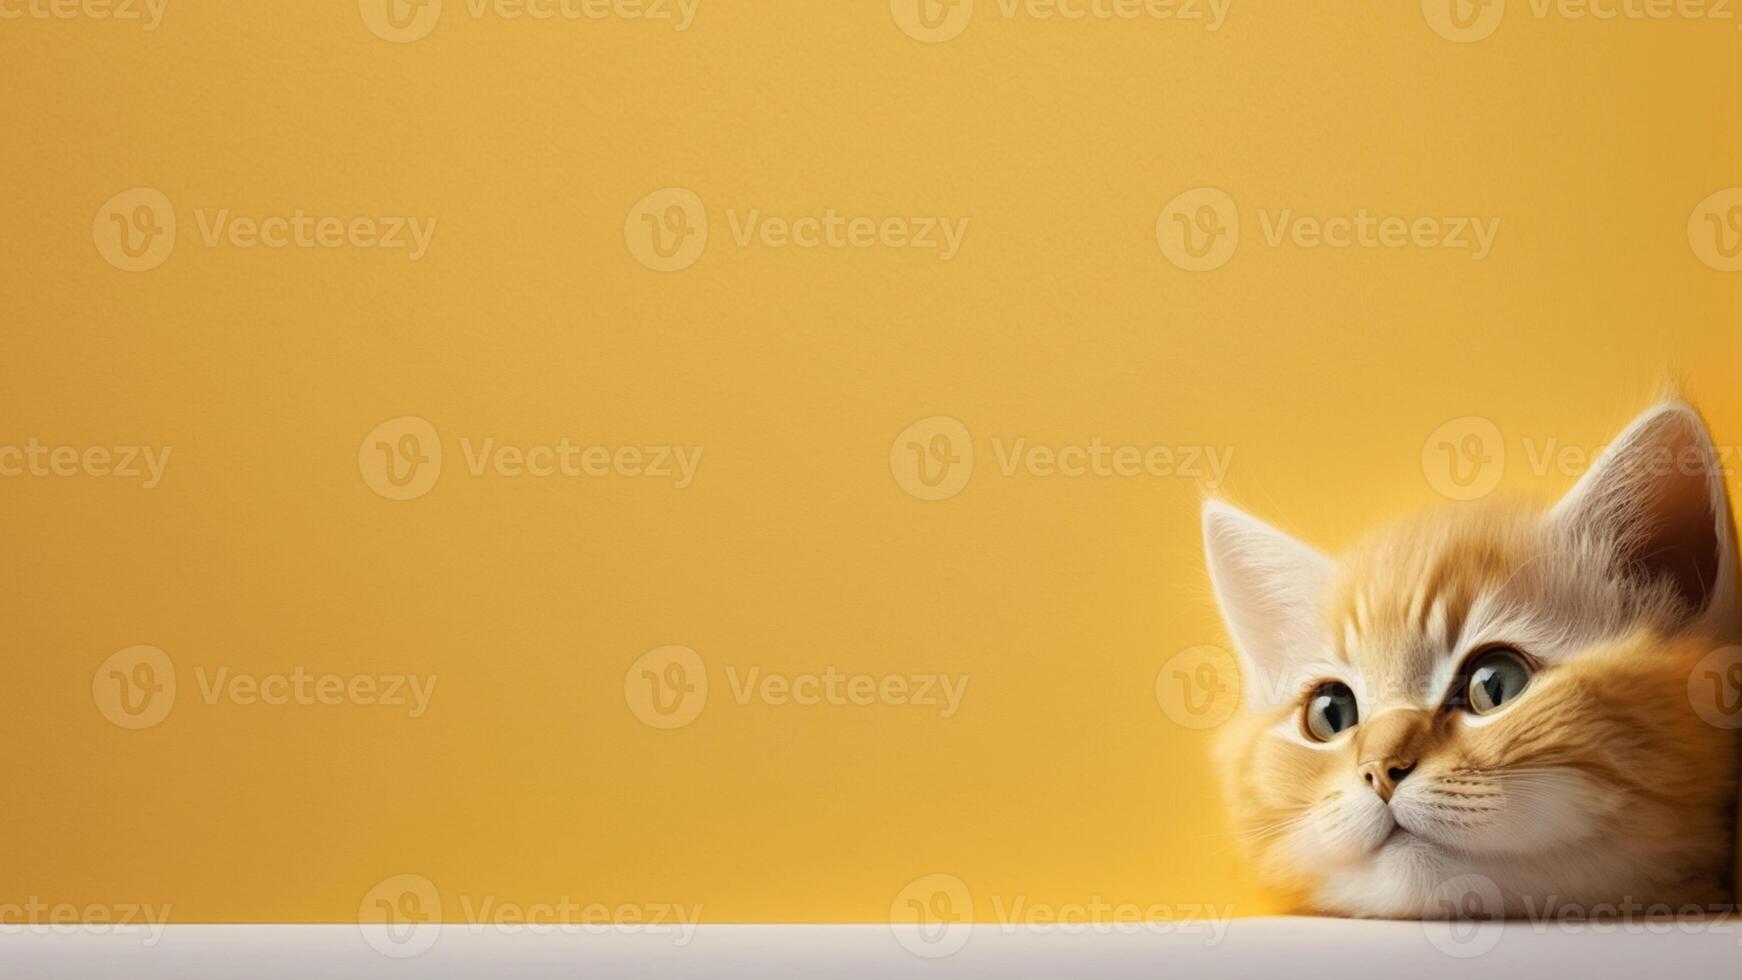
<point x="1492" y="691"/>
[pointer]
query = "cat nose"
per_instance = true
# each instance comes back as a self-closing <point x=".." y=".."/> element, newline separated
<point x="1387" y="747"/>
<point x="1384" y="775"/>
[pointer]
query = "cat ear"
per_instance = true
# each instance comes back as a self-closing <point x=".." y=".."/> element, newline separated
<point x="1655" y="502"/>
<point x="1269" y="587"/>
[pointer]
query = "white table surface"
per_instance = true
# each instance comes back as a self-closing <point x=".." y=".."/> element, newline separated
<point x="1291" y="948"/>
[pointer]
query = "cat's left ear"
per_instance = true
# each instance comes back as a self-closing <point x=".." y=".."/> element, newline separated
<point x="1655" y="502"/>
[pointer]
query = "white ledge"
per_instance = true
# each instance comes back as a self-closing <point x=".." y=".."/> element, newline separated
<point x="1299" y="948"/>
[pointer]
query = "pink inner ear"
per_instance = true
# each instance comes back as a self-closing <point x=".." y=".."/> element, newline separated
<point x="1659" y="496"/>
<point x="1682" y="544"/>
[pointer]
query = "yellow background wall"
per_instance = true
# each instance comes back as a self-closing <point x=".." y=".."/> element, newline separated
<point x="265" y="548"/>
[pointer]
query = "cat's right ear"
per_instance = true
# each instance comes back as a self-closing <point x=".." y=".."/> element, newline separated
<point x="1269" y="587"/>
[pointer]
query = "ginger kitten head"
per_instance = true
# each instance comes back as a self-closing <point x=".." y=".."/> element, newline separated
<point x="1491" y="690"/>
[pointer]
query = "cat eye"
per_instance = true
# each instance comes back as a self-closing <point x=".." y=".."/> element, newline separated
<point x="1330" y="710"/>
<point x="1494" y="678"/>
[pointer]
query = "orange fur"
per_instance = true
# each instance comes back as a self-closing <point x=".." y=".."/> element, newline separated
<point x="1601" y="782"/>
